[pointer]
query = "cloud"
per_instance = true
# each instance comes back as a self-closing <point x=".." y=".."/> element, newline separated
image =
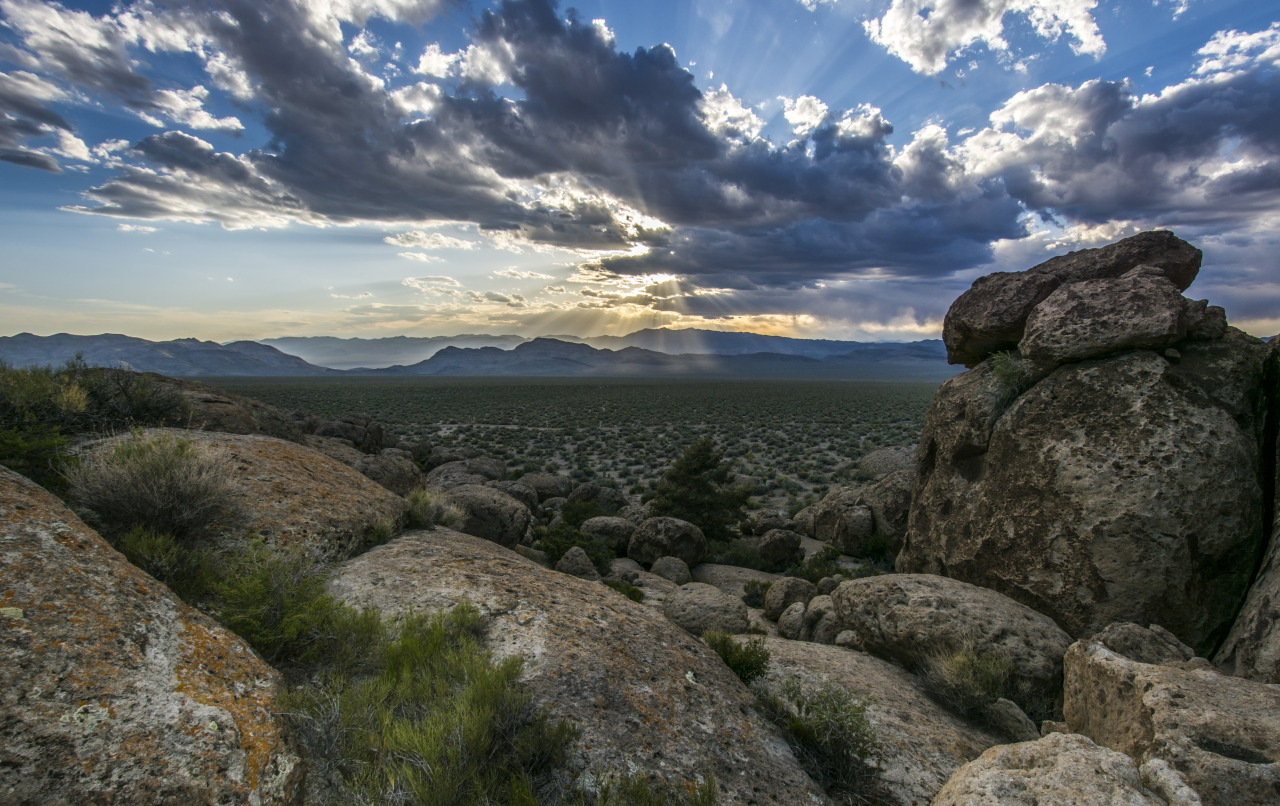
<point x="436" y="63"/>
<point x="804" y="113"/>
<point x="134" y="228"/>
<point x="186" y="107"/>
<point x="428" y="240"/>
<point x="420" y="257"/>
<point x="518" y="274"/>
<point x="430" y="282"/>
<point x="925" y="33"/>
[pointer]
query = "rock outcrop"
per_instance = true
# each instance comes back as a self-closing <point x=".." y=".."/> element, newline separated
<point x="294" y="495"/>
<point x="649" y="697"/>
<point x="667" y="537"/>
<point x="1061" y="769"/>
<point x="491" y="514"/>
<point x="113" y="690"/>
<point x="215" y="410"/>
<point x="912" y="618"/>
<point x="1115" y="489"/>
<point x="922" y="742"/>
<point x="849" y="518"/>
<point x="698" y="607"/>
<point x="1220" y="733"/>
<point x="992" y="315"/>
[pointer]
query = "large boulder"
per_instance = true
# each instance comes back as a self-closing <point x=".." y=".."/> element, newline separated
<point x="519" y="491"/>
<point x="292" y="495"/>
<point x="649" y="698"/>
<point x="1120" y="489"/>
<point x="1061" y="769"/>
<point x="883" y="461"/>
<point x="839" y="515"/>
<point x="607" y="499"/>
<point x="454" y="474"/>
<point x="548" y="485"/>
<point x="114" y="691"/>
<point x="850" y="518"/>
<point x="667" y="537"/>
<point x="922" y="742"/>
<point x="779" y="546"/>
<point x="396" y="473"/>
<point x="698" y="607"/>
<point x="491" y="514"/>
<point x="1140" y="309"/>
<point x="915" y="618"/>
<point x="992" y="315"/>
<point x="610" y="531"/>
<point x="1221" y="733"/>
<point x="731" y="578"/>
<point x="785" y="592"/>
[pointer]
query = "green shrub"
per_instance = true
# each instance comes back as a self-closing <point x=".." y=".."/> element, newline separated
<point x="576" y="513"/>
<point x="428" y="509"/>
<point x="739" y="553"/>
<point x="821" y="564"/>
<point x="634" y="790"/>
<point x="427" y="717"/>
<point x="627" y="589"/>
<point x="748" y="660"/>
<point x="166" y="484"/>
<point x="1011" y="374"/>
<point x="555" y="542"/>
<point x="828" y="729"/>
<point x="275" y="599"/>
<point x="754" y="591"/>
<point x="966" y="680"/>
<point x="698" y="487"/>
<point x="380" y="531"/>
<point x="186" y="571"/>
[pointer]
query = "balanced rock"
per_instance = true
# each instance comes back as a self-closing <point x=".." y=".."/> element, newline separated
<point x="649" y="698"/>
<point x="698" y="607"/>
<point x="667" y="537"/>
<point x="1061" y="769"/>
<point x="491" y="514"/>
<point x="914" y="618"/>
<point x="992" y="315"/>
<point x="1220" y="733"/>
<point x="112" y="689"/>
<point x="1116" y="489"/>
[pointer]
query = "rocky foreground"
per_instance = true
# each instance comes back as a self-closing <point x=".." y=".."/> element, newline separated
<point x="1091" y="512"/>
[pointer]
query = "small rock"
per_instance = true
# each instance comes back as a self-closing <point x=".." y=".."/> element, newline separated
<point x="1006" y="717"/>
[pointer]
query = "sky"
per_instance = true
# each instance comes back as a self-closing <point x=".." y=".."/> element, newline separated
<point x="242" y="169"/>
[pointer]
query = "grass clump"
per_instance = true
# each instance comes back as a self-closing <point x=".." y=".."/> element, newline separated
<point x="165" y="484"/>
<point x="429" y="509"/>
<point x="965" y="679"/>
<point x="1011" y="374"/>
<point x="628" y="590"/>
<point x="754" y="591"/>
<point x="830" y="733"/>
<point x="189" y="572"/>
<point x="426" y="716"/>
<point x="634" y="790"/>
<point x="748" y="660"/>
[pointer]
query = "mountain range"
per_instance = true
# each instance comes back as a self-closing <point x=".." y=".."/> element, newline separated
<point x="473" y="355"/>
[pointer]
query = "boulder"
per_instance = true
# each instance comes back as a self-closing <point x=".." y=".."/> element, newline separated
<point x="889" y="500"/>
<point x="396" y="473"/>
<point x="611" y="531"/>
<point x="992" y="315"/>
<point x="805" y="521"/>
<point x="454" y="474"/>
<point x="519" y="491"/>
<point x="778" y="546"/>
<point x="883" y="461"/>
<point x="338" y="449"/>
<point x="821" y="620"/>
<point x="491" y="514"/>
<point x="575" y="562"/>
<point x="1061" y="769"/>
<point x="215" y="410"/>
<point x="609" y="500"/>
<point x="1140" y="309"/>
<point x="663" y="537"/>
<point x="1221" y="733"/>
<point x="636" y="513"/>
<point x="548" y="485"/>
<point x="327" y="507"/>
<point x="912" y="618"/>
<point x="672" y="568"/>
<point x="784" y="592"/>
<point x="113" y="690"/>
<point x="649" y="698"/>
<point x="791" y="623"/>
<point x="730" y="578"/>
<point x="923" y="742"/>
<point x="1152" y="644"/>
<point x="830" y="514"/>
<point x="1119" y="489"/>
<point x="698" y="607"/>
<point x="767" y="522"/>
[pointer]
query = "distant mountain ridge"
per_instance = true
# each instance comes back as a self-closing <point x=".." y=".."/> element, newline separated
<point x="922" y="360"/>
<point x="177" y="358"/>
<point x="358" y="353"/>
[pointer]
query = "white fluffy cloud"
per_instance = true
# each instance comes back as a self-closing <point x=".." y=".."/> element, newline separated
<point x="804" y="113"/>
<point x="435" y="62"/>
<point x="926" y="33"/>
<point x="428" y="240"/>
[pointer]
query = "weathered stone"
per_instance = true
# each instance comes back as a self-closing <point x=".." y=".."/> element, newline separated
<point x="991" y="316"/>
<point x="636" y="513"/>
<point x="491" y="514"/>
<point x="611" y="531"/>
<point x="889" y="500"/>
<point x="730" y="578"/>
<point x="215" y="410"/>
<point x="1061" y="769"/>
<point x="575" y="562"/>
<point x="1152" y="644"/>
<point x="785" y="591"/>
<point x="648" y="697"/>
<point x="1139" y="310"/>
<point x="883" y="461"/>
<point x="607" y="499"/>
<point x="396" y="473"/>
<point x="791" y="623"/>
<point x="778" y="546"/>
<point x="698" y="607"/>
<point x="805" y="521"/>
<point x="853" y="530"/>
<point x="924" y="743"/>
<point x="767" y="522"/>
<point x="672" y="568"/>
<point x="1122" y="489"/>
<point x="822" y="620"/>
<point x="454" y="474"/>
<point x="1006" y="717"/>
<point x="663" y="537"/>
<point x="114" y="691"/>
<point x="519" y="491"/>
<point x="912" y="618"/>
<point x="1221" y="733"/>
<point x="330" y="508"/>
<point x="338" y="449"/>
<point x="548" y="485"/>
